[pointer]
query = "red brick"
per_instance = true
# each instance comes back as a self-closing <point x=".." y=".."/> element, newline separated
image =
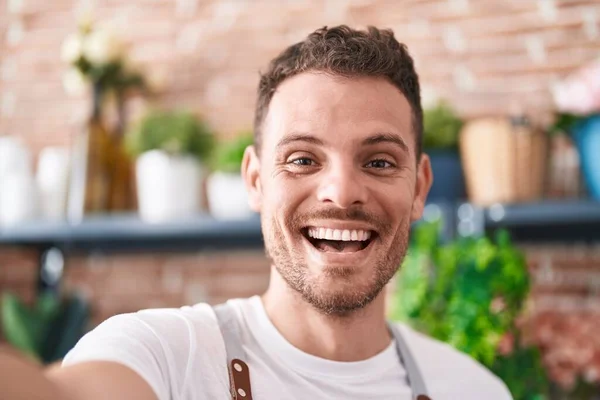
<point x="10" y="255"/>
<point x="239" y="284"/>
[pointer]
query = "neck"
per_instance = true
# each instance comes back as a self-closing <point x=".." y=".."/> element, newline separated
<point x="355" y="337"/>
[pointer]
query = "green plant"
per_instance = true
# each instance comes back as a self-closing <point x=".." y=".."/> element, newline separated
<point x="468" y="293"/>
<point x="565" y="122"/>
<point x="229" y="154"/>
<point x="176" y="132"/>
<point x="47" y="330"/>
<point x="441" y="127"/>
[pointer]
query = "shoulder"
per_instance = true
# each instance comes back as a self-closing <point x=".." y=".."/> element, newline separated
<point x="159" y="344"/>
<point x="451" y="373"/>
<point x="170" y="327"/>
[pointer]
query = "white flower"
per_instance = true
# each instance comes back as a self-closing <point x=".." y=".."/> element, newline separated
<point x="85" y="19"/>
<point x="74" y="82"/>
<point x="102" y="46"/>
<point x="72" y="48"/>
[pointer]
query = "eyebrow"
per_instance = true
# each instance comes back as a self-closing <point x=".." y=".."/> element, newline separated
<point x="386" y="138"/>
<point x="299" y="137"/>
<point x="378" y="138"/>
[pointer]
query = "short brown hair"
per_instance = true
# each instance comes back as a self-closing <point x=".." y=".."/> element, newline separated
<point x="347" y="52"/>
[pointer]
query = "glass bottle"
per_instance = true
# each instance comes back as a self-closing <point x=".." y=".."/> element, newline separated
<point x="93" y="155"/>
<point x="122" y="192"/>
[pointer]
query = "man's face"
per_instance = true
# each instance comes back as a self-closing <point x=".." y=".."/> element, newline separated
<point x="337" y="185"/>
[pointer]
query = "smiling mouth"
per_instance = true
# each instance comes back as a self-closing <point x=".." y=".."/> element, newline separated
<point x="338" y="241"/>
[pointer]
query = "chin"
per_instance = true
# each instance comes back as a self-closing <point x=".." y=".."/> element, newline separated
<point x="340" y="292"/>
<point x="338" y="274"/>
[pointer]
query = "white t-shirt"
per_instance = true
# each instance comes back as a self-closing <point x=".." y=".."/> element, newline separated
<point x="181" y="354"/>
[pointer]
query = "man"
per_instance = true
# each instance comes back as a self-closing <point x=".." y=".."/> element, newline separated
<point x="338" y="176"/>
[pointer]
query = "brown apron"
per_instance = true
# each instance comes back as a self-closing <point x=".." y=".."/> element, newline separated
<point x="239" y="373"/>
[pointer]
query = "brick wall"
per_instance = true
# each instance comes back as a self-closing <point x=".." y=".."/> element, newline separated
<point x="124" y="283"/>
<point x="565" y="309"/>
<point x="486" y="57"/>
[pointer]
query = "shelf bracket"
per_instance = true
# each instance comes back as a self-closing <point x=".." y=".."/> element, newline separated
<point x="51" y="270"/>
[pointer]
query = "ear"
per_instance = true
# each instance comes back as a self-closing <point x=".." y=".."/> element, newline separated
<point x="251" y="175"/>
<point x="422" y="186"/>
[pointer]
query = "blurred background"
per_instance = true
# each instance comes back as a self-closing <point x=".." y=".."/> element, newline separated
<point x="122" y="126"/>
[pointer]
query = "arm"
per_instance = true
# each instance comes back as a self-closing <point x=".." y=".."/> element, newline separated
<point x="23" y="380"/>
<point x="138" y="356"/>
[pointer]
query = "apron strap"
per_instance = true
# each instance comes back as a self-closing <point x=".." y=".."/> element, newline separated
<point x="415" y="377"/>
<point x="239" y="373"/>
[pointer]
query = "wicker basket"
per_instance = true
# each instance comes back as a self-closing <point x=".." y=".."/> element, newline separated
<point x="504" y="160"/>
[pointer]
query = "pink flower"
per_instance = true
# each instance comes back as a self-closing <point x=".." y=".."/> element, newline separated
<point x="579" y="93"/>
<point x="497" y="305"/>
<point x="507" y="344"/>
<point x="569" y="343"/>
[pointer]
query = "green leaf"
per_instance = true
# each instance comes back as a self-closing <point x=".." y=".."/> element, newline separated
<point x="176" y="132"/>
<point x="468" y="292"/>
<point x="229" y="154"/>
<point x="441" y="127"/>
<point x="564" y="123"/>
<point x="26" y="328"/>
<point x="18" y="326"/>
<point x="413" y="279"/>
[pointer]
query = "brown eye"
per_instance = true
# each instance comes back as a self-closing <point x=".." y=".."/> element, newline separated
<point x="303" y="162"/>
<point x="379" y="164"/>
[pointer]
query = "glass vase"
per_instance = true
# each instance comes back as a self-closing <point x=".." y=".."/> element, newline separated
<point x="93" y="154"/>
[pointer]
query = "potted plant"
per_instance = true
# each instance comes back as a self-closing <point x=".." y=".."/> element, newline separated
<point x="171" y="150"/>
<point x="101" y="173"/>
<point x="577" y="100"/>
<point x="469" y="293"/>
<point x="46" y="331"/>
<point x="441" y="127"/>
<point x="504" y="159"/>
<point x="227" y="196"/>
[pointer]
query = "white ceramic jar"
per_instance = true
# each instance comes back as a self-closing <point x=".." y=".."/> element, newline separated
<point x="169" y="186"/>
<point x="18" y="189"/>
<point x="227" y="196"/>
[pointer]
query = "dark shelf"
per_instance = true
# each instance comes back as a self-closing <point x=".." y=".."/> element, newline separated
<point x="545" y="213"/>
<point x="548" y="221"/>
<point x="126" y="232"/>
<point x="551" y="221"/>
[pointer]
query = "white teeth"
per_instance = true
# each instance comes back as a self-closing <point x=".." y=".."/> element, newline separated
<point x="339" y="234"/>
<point x="329" y="234"/>
<point x="322" y="232"/>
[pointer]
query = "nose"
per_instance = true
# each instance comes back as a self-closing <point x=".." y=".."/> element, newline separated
<point x="341" y="186"/>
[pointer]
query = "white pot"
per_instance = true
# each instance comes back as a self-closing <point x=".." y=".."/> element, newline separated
<point x="18" y="199"/>
<point x="18" y="192"/>
<point x="227" y="196"/>
<point x="169" y="187"/>
<point x="53" y="180"/>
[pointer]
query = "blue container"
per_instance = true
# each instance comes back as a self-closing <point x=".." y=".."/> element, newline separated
<point x="448" y="179"/>
<point x="587" y="138"/>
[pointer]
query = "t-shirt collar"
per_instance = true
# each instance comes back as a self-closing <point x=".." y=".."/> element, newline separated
<point x="274" y="344"/>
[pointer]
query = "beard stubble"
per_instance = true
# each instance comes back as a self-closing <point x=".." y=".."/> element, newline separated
<point x="290" y="264"/>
